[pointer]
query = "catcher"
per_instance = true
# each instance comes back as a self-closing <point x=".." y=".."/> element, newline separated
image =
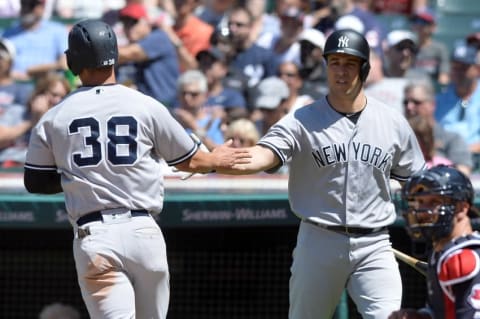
<point x="440" y="208"/>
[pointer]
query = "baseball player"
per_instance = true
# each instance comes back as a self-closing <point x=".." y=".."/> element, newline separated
<point x="102" y="146"/>
<point x="440" y="205"/>
<point x="342" y="151"/>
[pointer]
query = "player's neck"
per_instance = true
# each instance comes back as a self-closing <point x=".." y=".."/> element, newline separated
<point x="347" y="104"/>
<point x="93" y="77"/>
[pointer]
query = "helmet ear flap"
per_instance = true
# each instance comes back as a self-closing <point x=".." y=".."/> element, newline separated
<point x="72" y="62"/>
<point x="364" y="70"/>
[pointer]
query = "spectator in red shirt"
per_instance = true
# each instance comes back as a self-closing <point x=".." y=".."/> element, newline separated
<point x="189" y="34"/>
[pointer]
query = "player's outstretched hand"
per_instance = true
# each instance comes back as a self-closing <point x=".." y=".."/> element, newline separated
<point x="226" y="156"/>
<point x="408" y="314"/>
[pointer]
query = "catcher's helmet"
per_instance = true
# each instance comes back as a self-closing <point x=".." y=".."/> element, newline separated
<point x="447" y="182"/>
<point x="91" y="44"/>
<point x="351" y="42"/>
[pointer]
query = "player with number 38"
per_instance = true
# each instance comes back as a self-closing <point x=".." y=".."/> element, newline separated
<point x="102" y="147"/>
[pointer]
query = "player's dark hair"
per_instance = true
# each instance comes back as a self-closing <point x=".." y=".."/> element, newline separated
<point x="91" y="44"/>
<point x="350" y="42"/>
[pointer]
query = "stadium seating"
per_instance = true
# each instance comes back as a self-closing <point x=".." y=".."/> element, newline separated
<point x="450" y="40"/>
<point x="457" y="23"/>
<point x="453" y="28"/>
<point x="391" y="21"/>
<point x="458" y="6"/>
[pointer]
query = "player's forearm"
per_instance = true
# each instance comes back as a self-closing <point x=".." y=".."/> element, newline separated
<point x="39" y="69"/>
<point x="262" y="159"/>
<point x="131" y="53"/>
<point x="201" y="162"/>
<point x="220" y="160"/>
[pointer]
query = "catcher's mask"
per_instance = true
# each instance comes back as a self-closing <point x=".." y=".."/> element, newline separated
<point x="432" y="197"/>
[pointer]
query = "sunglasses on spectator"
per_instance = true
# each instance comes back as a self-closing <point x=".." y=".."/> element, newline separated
<point x="288" y="74"/>
<point x="191" y="93"/>
<point x="237" y="24"/>
<point x="402" y="47"/>
<point x="414" y="101"/>
<point x="405" y="46"/>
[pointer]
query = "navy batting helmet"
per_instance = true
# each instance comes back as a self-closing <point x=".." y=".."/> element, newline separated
<point x="447" y="182"/>
<point x="350" y="42"/>
<point x="91" y="44"/>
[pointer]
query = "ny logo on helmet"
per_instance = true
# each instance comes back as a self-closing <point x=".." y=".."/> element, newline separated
<point x="343" y="41"/>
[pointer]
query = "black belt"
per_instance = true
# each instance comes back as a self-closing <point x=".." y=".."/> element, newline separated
<point x="97" y="216"/>
<point x="347" y="229"/>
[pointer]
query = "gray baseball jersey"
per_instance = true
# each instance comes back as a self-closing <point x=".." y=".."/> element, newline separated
<point x="95" y="142"/>
<point x="340" y="170"/>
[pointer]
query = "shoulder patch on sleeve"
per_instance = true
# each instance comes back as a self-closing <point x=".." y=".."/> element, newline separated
<point x="459" y="266"/>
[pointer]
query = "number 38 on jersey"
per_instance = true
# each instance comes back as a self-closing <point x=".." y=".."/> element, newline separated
<point x="121" y="140"/>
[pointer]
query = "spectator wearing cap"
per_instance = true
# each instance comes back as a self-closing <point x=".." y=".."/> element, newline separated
<point x="458" y="105"/>
<point x="149" y="60"/>
<point x="270" y="97"/>
<point x="473" y="39"/>
<point x="189" y="34"/>
<point x="432" y="56"/>
<point x="312" y="63"/>
<point x="11" y="91"/>
<point x="350" y="21"/>
<point x="400" y="50"/>
<point x="213" y="63"/>
<point x="40" y="44"/>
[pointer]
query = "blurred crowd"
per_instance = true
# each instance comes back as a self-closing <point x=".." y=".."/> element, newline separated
<point x="229" y="69"/>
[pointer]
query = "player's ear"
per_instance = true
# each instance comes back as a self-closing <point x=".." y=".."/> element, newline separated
<point x="462" y="209"/>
